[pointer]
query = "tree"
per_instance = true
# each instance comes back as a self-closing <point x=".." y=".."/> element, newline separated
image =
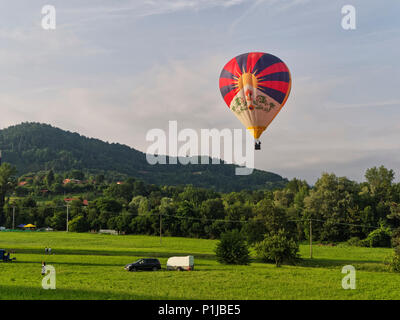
<point x="7" y="185"/>
<point x="381" y="189"/>
<point x="78" y="224"/>
<point x="274" y="216"/>
<point x="189" y="215"/>
<point x="277" y="247"/>
<point x="76" y="174"/>
<point x="232" y="249"/>
<point x="212" y="209"/>
<point x="141" y="225"/>
<point x="268" y="217"/>
<point x="284" y="198"/>
<point x="120" y="191"/>
<point x="123" y="221"/>
<point x="197" y="195"/>
<point x="394" y="259"/>
<point x="50" y="178"/>
<point x="59" y="220"/>
<point x="108" y="205"/>
<point x="28" y="202"/>
<point x="330" y="201"/>
<point x="380" y="180"/>
<point x="394" y="216"/>
<point x="254" y="230"/>
<point x="99" y="178"/>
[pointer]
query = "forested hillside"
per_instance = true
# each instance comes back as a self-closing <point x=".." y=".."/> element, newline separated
<point x="33" y="147"/>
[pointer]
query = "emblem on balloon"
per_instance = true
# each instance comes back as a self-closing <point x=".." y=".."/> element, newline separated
<point x="239" y="105"/>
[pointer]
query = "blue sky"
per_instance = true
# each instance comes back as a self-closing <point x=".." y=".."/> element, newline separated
<point x="116" y="69"/>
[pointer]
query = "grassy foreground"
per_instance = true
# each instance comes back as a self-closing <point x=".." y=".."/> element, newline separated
<point x="90" y="266"/>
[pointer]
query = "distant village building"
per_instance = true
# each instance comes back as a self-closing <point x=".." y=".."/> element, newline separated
<point x="84" y="202"/>
<point x="66" y="181"/>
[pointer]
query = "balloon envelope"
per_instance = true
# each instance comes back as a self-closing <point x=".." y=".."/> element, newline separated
<point x="255" y="86"/>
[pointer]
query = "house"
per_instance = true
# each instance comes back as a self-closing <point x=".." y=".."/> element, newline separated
<point x="84" y="202"/>
<point x="66" y="181"/>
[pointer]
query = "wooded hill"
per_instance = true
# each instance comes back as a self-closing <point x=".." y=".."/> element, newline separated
<point x="33" y="147"/>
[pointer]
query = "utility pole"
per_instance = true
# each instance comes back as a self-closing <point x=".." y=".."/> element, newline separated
<point x="13" y="225"/>
<point x="67" y="215"/>
<point x="310" y="239"/>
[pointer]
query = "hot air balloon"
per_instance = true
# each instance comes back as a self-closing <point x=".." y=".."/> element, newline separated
<point x="255" y="86"/>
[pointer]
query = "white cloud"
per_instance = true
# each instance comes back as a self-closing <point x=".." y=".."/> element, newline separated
<point x="375" y="104"/>
<point x="135" y="8"/>
<point x="37" y="46"/>
<point x="274" y="6"/>
<point x="151" y="7"/>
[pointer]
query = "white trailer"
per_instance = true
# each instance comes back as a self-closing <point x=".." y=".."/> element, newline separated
<point x="180" y="263"/>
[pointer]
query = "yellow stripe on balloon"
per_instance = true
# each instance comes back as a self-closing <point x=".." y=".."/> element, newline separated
<point x="256" y="131"/>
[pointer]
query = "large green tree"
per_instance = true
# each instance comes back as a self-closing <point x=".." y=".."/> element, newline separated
<point x="330" y="204"/>
<point x="7" y="185"/>
<point x="380" y="181"/>
<point x="381" y="190"/>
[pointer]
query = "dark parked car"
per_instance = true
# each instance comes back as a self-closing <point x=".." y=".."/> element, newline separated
<point x="5" y="257"/>
<point x="144" y="264"/>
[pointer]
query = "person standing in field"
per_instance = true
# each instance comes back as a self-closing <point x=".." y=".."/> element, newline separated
<point x="45" y="250"/>
<point x="49" y="250"/>
<point x="43" y="268"/>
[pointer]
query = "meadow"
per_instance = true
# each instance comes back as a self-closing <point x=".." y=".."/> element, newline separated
<point x="90" y="266"/>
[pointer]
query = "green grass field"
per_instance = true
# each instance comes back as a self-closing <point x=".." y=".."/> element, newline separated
<point x="90" y="266"/>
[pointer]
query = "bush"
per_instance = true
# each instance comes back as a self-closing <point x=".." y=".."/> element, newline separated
<point x="393" y="261"/>
<point x="355" y="242"/>
<point x="381" y="237"/>
<point x="396" y="239"/>
<point x="232" y="249"/>
<point x="277" y="247"/>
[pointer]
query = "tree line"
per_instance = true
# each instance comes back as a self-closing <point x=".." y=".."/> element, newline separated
<point x="339" y="208"/>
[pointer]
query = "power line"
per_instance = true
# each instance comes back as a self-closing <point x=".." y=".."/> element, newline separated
<point x="340" y="223"/>
<point x="126" y="213"/>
